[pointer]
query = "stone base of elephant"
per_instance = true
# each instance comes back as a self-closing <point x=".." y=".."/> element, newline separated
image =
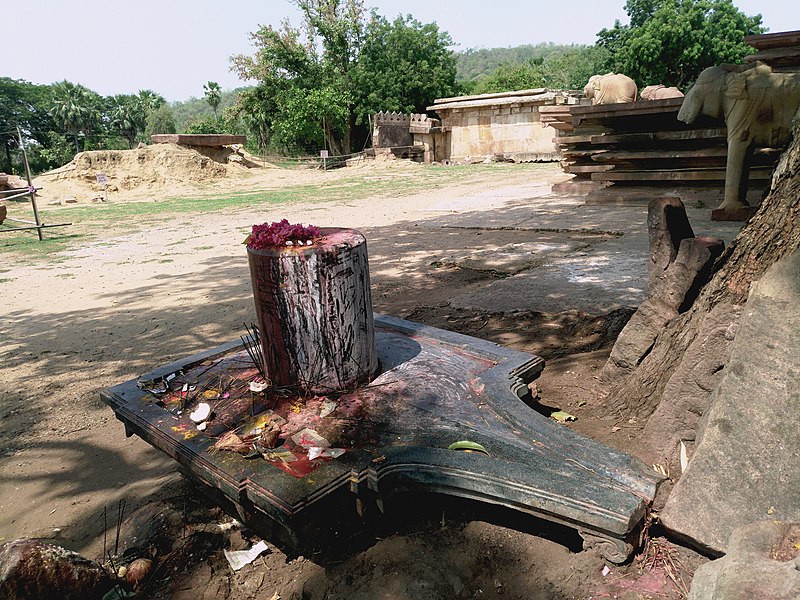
<point x="739" y="213"/>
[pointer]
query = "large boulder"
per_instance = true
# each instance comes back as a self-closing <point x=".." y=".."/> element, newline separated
<point x="762" y="562"/>
<point x="746" y="466"/>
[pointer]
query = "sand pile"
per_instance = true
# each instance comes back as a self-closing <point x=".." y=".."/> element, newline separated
<point x="150" y="168"/>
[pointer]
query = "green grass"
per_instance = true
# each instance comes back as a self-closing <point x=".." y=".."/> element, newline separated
<point x="90" y="222"/>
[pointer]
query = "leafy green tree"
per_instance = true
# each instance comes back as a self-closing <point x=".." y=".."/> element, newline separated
<point x="312" y="65"/>
<point x="126" y="116"/>
<point x="76" y="109"/>
<point x="317" y="82"/>
<point x="570" y="69"/>
<point x="24" y="105"/>
<point x="509" y="77"/>
<point x="228" y="122"/>
<point x="257" y="108"/>
<point x="671" y="41"/>
<point x="475" y="63"/>
<point x="159" y="120"/>
<point x="213" y="95"/>
<point x="567" y="69"/>
<point x="403" y="66"/>
<point x="150" y="100"/>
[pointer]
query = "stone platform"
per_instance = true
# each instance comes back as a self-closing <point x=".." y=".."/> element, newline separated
<point x="198" y="139"/>
<point x="435" y="388"/>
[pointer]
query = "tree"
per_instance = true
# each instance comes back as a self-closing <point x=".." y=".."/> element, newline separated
<point x="160" y="120"/>
<point x="565" y="69"/>
<point x="257" y="107"/>
<point x="151" y="101"/>
<point x="510" y="77"/>
<point x="213" y="95"/>
<point x="403" y="66"/>
<point x="22" y="105"/>
<point x="312" y="64"/>
<point x="126" y="116"/>
<point x="671" y="41"/>
<point x="75" y="109"/>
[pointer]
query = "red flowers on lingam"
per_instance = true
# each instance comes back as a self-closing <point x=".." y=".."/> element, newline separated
<point x="280" y="234"/>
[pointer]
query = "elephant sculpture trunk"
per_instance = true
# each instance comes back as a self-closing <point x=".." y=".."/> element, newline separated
<point x="758" y="106"/>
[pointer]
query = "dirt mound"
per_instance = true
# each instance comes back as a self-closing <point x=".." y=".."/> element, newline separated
<point x="149" y="168"/>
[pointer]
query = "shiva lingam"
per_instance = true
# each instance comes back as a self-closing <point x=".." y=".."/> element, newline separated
<point x="331" y="402"/>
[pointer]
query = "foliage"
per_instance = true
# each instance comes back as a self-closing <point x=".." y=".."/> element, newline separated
<point x="228" y="122"/>
<point x="197" y="108"/>
<point x="159" y="120"/>
<point x="126" y="116"/>
<point x="22" y="105"/>
<point x="317" y="83"/>
<point x="403" y="66"/>
<point x="304" y="110"/>
<point x="476" y="63"/>
<point x="308" y="70"/>
<point x="256" y="107"/>
<point x="150" y="100"/>
<point x="213" y="95"/>
<point x="671" y="41"/>
<point x="568" y="69"/>
<point x="76" y="109"/>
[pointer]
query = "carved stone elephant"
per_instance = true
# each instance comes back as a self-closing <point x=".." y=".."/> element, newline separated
<point x="660" y="92"/>
<point x="758" y="106"/>
<point x="611" y="88"/>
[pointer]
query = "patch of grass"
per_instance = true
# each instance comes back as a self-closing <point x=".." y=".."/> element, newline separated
<point x="5" y="279"/>
<point x="30" y="247"/>
<point x="67" y="275"/>
<point x="203" y="248"/>
<point x="93" y="221"/>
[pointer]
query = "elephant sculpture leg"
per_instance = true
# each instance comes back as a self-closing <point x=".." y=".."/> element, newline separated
<point x="737" y="172"/>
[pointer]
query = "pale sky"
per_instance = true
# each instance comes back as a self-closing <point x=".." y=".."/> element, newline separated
<point x="175" y="46"/>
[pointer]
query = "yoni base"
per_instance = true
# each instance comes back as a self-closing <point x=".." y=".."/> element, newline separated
<point x="435" y="388"/>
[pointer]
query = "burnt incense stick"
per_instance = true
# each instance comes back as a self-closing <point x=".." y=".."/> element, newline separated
<point x="252" y="344"/>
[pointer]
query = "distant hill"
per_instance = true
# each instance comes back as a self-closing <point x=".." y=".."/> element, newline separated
<point x="474" y="63"/>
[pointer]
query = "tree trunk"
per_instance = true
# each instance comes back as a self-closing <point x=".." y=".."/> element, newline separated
<point x="772" y="233"/>
<point x="315" y="313"/>
<point x="8" y="168"/>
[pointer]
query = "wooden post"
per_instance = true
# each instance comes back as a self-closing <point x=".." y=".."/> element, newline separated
<point x="31" y="189"/>
<point x="314" y="312"/>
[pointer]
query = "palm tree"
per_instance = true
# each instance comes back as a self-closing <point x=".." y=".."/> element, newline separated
<point x="151" y="100"/>
<point x="126" y="115"/>
<point x="73" y="108"/>
<point x="213" y="95"/>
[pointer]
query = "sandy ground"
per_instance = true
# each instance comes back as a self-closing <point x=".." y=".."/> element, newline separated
<point x="494" y="256"/>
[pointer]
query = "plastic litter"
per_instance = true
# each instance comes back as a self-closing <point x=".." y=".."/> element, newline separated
<point x="308" y="438"/>
<point x="316" y="452"/>
<point x="239" y="558"/>
<point x="327" y="408"/>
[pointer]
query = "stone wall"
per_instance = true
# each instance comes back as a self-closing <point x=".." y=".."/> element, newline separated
<point x="502" y="130"/>
<point x="391" y="130"/>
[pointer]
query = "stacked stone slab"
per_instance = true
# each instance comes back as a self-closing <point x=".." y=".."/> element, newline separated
<point x="643" y="144"/>
<point x="781" y="51"/>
